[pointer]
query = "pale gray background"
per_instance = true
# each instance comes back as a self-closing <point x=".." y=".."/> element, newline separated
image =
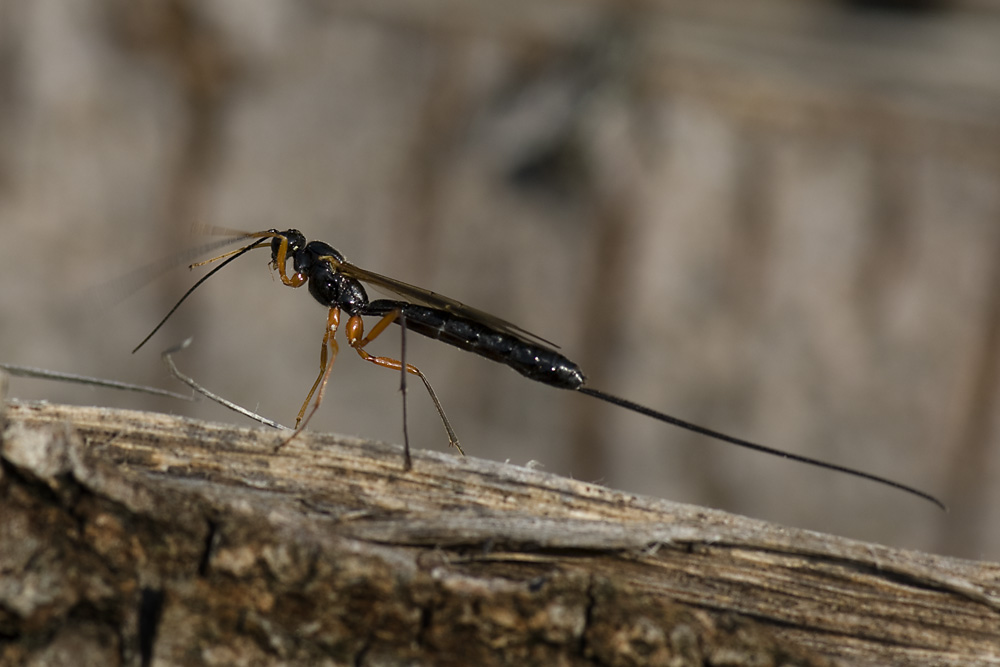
<point x="778" y="219"/>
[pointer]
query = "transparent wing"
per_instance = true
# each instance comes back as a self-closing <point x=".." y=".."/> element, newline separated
<point x="423" y="297"/>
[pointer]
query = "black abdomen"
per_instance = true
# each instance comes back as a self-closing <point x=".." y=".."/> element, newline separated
<point x="532" y="360"/>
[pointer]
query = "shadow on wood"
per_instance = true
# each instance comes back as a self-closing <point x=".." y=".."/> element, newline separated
<point x="139" y="538"/>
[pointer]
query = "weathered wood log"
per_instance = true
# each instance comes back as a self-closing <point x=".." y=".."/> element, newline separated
<point x="139" y="538"/>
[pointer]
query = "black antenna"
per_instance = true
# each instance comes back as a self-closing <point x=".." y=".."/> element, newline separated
<point x="208" y="275"/>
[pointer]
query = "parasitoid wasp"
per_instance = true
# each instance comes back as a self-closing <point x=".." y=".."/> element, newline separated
<point x="337" y="284"/>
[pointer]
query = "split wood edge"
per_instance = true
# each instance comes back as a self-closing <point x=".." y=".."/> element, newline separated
<point x="192" y="538"/>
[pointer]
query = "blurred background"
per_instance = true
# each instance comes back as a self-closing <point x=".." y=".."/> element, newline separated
<point x="779" y="219"/>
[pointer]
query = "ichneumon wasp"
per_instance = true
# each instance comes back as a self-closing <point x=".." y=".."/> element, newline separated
<point x="337" y="284"/>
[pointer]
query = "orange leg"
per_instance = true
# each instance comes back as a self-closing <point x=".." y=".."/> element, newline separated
<point x="357" y="340"/>
<point x="327" y="355"/>
<point x="296" y="279"/>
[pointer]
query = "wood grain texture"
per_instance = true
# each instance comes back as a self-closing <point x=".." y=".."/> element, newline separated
<point x="141" y="538"/>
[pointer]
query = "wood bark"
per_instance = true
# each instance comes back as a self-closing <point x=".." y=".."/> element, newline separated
<point x="132" y="538"/>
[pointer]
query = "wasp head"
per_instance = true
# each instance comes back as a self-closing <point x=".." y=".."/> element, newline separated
<point x="292" y="239"/>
